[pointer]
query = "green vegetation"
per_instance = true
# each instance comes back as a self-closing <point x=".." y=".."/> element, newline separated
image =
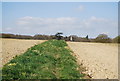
<point x="116" y="39"/>
<point x="49" y="60"/>
<point x="103" y="38"/>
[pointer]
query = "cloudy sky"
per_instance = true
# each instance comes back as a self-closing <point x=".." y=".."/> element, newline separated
<point x="71" y="18"/>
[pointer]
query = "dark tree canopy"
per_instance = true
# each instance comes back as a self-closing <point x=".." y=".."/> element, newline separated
<point x="87" y="37"/>
<point x="58" y="35"/>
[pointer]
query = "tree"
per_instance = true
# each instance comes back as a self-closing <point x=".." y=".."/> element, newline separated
<point x="58" y="35"/>
<point x="103" y="38"/>
<point x="87" y="37"/>
<point x="116" y="39"/>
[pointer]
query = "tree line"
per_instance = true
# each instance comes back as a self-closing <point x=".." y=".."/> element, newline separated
<point x="102" y="38"/>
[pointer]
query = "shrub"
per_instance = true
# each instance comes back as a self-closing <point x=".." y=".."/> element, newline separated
<point x="116" y="39"/>
<point x="103" y="38"/>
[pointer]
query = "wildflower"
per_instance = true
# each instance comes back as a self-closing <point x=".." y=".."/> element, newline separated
<point x="11" y="64"/>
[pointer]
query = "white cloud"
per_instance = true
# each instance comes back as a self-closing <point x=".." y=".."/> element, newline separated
<point x="45" y="21"/>
<point x="80" y="8"/>
<point x="27" y="18"/>
<point x="22" y="22"/>
<point x="8" y="28"/>
<point x="95" y="19"/>
<point x="95" y="22"/>
<point x="69" y="25"/>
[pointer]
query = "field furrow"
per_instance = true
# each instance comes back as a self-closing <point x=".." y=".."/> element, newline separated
<point x="101" y="60"/>
<point x="12" y="47"/>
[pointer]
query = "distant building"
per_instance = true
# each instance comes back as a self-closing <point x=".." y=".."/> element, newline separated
<point x="71" y="38"/>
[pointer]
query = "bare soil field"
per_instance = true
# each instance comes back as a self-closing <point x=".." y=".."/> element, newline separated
<point x="100" y="60"/>
<point x="9" y="48"/>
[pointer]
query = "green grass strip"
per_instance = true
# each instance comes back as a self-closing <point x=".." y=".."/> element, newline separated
<point x="49" y="60"/>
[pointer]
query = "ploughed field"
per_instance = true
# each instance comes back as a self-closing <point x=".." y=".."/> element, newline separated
<point x="49" y="60"/>
<point x="100" y="59"/>
<point x="9" y="48"/>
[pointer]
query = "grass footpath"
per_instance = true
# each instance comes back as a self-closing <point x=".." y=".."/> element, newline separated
<point x="49" y="60"/>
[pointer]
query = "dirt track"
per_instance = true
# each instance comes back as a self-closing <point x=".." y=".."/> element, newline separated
<point x="101" y="60"/>
<point x="12" y="47"/>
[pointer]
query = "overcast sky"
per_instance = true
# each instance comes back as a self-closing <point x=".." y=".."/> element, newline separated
<point x="71" y="18"/>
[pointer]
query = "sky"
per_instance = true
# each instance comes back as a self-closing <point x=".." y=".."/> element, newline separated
<point x="71" y="18"/>
<point x="0" y="16"/>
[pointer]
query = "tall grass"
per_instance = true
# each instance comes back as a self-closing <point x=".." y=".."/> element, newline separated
<point x="49" y="60"/>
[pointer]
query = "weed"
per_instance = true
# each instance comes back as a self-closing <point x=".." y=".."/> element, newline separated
<point x="49" y="60"/>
